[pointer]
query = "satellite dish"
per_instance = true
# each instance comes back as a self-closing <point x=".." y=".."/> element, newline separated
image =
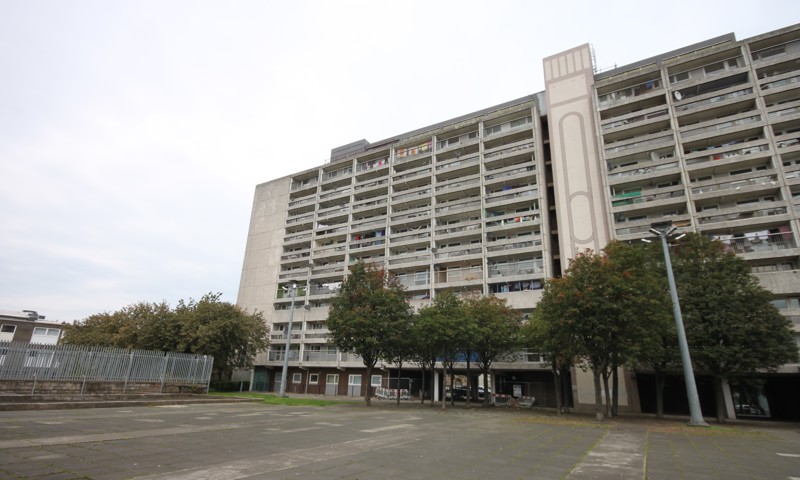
<point x="678" y="96"/>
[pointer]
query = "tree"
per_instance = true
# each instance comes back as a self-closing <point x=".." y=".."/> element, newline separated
<point x="731" y="327"/>
<point x="441" y="324"/>
<point x="496" y="331"/>
<point x="221" y="329"/>
<point x="559" y="348"/>
<point x="600" y="304"/>
<point x="368" y="308"/>
<point x="140" y="325"/>
<point x="208" y="327"/>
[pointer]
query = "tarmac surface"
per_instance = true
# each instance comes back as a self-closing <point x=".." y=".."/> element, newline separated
<point x="229" y="441"/>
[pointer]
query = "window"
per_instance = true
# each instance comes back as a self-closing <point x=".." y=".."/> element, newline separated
<point x="313" y="378"/>
<point x="376" y="381"/>
<point x="8" y="329"/>
<point x="297" y="378"/>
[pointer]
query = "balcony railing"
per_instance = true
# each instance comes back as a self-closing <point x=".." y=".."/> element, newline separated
<point x="376" y="183"/>
<point x="537" y="266"/>
<point x="728" y="154"/>
<point x="630" y="92"/>
<point x="320" y="356"/>
<point x="766" y="180"/>
<point x="458" y="163"/>
<point x="514" y="246"/>
<point x="507" y="150"/>
<point x="643" y="171"/>
<point x="622" y="199"/>
<point x="532" y="192"/>
<point x="708" y="101"/>
<point x="721" y="126"/>
<point x="336" y="192"/>
<point x="303" y="184"/>
<point x="758" y="242"/>
<point x="730" y="217"/>
<point x="510" y="173"/>
<point x="459" y="253"/>
<point x="457" y="204"/>
<point x="457" y="229"/>
<point x="636" y="119"/>
<point x="413" y="174"/>
<point x="279" y="355"/>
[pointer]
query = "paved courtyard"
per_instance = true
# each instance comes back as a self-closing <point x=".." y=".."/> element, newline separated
<point x="253" y="441"/>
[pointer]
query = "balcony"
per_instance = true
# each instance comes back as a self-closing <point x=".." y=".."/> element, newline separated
<point x="763" y="181"/>
<point x="525" y="267"/>
<point x="512" y="171"/>
<point x="512" y="245"/>
<point x="690" y="132"/>
<point x="459" y="228"/>
<point x="513" y="194"/>
<point x="460" y="184"/>
<point x="625" y="94"/>
<point x="458" y="274"/>
<point x="372" y="164"/>
<point x="336" y="192"/>
<point x="685" y="107"/>
<point x="644" y="196"/>
<point x="650" y="142"/>
<point x="303" y="184"/>
<point x="370" y="185"/>
<point x="280" y="355"/>
<point x="458" y="205"/>
<point x="748" y="213"/>
<point x="634" y="120"/>
<point x="757" y="242"/>
<point x="458" y="253"/>
<point x="661" y="169"/>
<point x="776" y="52"/>
<point x="506" y="150"/>
<point x="495" y="131"/>
<point x="310" y="199"/>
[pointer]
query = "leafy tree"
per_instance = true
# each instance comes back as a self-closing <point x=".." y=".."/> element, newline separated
<point x="400" y="347"/>
<point x="369" y="307"/>
<point x="602" y="307"/>
<point x="141" y="325"/>
<point x="221" y="329"/>
<point x="428" y="335"/>
<point x="441" y="325"/>
<point x="731" y="327"/>
<point x="559" y="349"/>
<point x="495" y="331"/>
<point x="209" y="327"/>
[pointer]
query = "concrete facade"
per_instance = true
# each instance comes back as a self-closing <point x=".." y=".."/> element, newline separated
<point x="497" y="201"/>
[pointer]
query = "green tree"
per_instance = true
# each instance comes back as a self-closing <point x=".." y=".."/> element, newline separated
<point x="208" y="327"/>
<point x="603" y="307"/>
<point x="495" y="331"/>
<point x="441" y="326"/>
<point x="545" y="336"/>
<point x="731" y="327"/>
<point x="212" y="327"/>
<point x="365" y="312"/>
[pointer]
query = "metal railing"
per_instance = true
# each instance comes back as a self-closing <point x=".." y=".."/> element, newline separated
<point x="82" y="363"/>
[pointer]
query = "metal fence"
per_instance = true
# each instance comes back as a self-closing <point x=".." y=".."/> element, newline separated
<point x="81" y="363"/>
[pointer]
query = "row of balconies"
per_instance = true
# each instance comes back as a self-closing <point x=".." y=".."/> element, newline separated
<point x="329" y="174"/>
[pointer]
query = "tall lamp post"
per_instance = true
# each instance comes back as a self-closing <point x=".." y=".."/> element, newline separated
<point x="663" y="230"/>
<point x="288" y="341"/>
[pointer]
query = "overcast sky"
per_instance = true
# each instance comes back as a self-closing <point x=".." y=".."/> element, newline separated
<point x="133" y="134"/>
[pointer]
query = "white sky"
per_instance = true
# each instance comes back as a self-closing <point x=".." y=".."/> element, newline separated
<point x="133" y="134"/>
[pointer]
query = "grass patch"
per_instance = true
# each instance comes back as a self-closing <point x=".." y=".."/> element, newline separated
<point x="268" y="399"/>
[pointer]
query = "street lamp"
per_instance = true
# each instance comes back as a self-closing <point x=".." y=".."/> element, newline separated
<point x="663" y="230"/>
<point x="288" y="341"/>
